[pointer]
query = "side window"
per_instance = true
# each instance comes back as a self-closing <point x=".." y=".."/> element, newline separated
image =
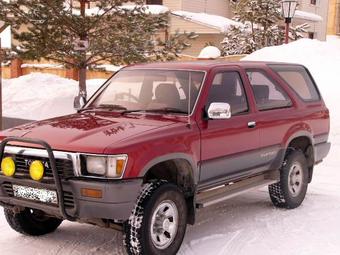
<point x="228" y="88"/>
<point x="299" y="80"/>
<point x="268" y="95"/>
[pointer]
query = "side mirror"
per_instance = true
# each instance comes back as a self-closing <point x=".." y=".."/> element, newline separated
<point x="79" y="102"/>
<point x="219" y="111"/>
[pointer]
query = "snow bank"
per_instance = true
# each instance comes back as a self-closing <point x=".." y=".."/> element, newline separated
<point x="322" y="59"/>
<point x="39" y="96"/>
<point x="215" y="21"/>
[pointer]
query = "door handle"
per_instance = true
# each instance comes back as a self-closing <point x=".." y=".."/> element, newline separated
<point x="251" y="124"/>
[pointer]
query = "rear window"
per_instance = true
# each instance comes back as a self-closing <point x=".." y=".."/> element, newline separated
<point x="299" y="80"/>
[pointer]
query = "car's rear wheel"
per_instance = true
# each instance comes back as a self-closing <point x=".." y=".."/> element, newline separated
<point x="291" y="190"/>
<point x="157" y="224"/>
<point x="31" y="222"/>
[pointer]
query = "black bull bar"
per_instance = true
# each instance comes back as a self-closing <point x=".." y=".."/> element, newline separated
<point x="51" y="158"/>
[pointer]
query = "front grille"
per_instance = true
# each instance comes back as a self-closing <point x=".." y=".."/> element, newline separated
<point x="68" y="199"/>
<point x="7" y="187"/>
<point x="64" y="166"/>
<point x="68" y="196"/>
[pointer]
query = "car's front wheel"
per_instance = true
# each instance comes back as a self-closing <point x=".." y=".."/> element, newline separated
<point x="31" y="222"/>
<point x="158" y="222"/>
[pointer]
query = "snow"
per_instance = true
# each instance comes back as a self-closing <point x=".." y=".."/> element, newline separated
<point x="209" y="52"/>
<point x="39" y="96"/>
<point x="6" y="38"/>
<point x="42" y="66"/>
<point x="109" y="68"/>
<point x="215" y="21"/>
<point x="150" y="9"/>
<point x="307" y="16"/>
<point x="247" y="224"/>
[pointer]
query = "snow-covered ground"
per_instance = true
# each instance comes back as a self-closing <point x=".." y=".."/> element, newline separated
<point x="247" y="224"/>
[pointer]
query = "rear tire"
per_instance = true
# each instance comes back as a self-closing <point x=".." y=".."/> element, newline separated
<point x="31" y="222"/>
<point x="158" y="222"/>
<point x="290" y="192"/>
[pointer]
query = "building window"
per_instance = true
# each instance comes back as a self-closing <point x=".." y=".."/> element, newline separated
<point x="311" y="35"/>
<point x="313" y="2"/>
<point x="159" y="2"/>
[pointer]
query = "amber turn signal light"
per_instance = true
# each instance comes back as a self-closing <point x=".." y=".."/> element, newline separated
<point x="94" y="193"/>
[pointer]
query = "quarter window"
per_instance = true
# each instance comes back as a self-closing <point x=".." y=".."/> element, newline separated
<point x="268" y="95"/>
<point x="228" y="88"/>
<point x="299" y="80"/>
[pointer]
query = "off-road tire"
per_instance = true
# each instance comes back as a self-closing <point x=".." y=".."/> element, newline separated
<point x="137" y="230"/>
<point x="31" y="222"/>
<point x="281" y="193"/>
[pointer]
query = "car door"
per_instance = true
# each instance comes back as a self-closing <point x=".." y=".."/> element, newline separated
<point x="275" y="111"/>
<point x="228" y="146"/>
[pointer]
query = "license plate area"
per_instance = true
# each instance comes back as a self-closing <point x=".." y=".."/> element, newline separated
<point x="35" y="194"/>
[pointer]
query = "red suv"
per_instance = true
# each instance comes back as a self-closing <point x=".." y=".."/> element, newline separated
<point x="158" y="141"/>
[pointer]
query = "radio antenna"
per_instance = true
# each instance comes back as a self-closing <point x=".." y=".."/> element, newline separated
<point x="189" y="101"/>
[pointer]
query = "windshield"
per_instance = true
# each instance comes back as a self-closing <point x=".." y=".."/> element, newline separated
<point x="150" y="90"/>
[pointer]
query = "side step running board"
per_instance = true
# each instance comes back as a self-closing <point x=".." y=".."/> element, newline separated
<point x="230" y="190"/>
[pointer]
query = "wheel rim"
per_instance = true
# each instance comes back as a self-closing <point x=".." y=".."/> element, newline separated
<point x="164" y="224"/>
<point x="295" y="179"/>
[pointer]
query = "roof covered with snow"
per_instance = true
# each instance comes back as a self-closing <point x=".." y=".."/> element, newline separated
<point x="149" y="9"/>
<point x="218" y="22"/>
<point x="6" y="38"/>
<point x="307" y="16"/>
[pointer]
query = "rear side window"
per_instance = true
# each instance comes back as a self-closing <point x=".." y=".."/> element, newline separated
<point x="268" y="95"/>
<point x="299" y="80"/>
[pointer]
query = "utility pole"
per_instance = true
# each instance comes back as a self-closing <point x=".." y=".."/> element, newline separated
<point x="2" y="28"/>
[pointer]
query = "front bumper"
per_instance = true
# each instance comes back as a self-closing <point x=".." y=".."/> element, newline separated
<point x="116" y="201"/>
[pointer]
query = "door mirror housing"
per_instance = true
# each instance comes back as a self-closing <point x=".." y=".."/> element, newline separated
<point x="79" y="102"/>
<point x="219" y="111"/>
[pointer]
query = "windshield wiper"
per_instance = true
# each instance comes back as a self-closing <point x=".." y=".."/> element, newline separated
<point x="106" y="106"/>
<point x="165" y="110"/>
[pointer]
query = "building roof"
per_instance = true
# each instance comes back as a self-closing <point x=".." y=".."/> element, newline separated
<point x="222" y="24"/>
<point x="307" y="16"/>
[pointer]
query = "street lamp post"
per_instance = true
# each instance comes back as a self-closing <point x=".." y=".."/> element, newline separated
<point x="288" y="8"/>
<point x="1" y="125"/>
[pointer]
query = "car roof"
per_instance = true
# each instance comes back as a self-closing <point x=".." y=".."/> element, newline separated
<point x="203" y="65"/>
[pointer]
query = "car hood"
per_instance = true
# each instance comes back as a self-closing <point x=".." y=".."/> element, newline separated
<point x="90" y="132"/>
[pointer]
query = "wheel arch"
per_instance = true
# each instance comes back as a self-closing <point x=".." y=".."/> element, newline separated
<point x="303" y="141"/>
<point x="177" y="168"/>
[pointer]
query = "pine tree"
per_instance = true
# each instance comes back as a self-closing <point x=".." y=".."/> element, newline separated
<point x="260" y="19"/>
<point x="56" y="30"/>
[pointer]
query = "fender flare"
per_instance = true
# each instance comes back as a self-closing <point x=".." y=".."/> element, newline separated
<point x="172" y="156"/>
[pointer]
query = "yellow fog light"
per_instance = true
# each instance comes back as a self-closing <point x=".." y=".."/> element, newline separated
<point x="37" y="170"/>
<point x="8" y="166"/>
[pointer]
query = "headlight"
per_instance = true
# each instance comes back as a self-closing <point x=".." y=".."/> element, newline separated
<point x="106" y="166"/>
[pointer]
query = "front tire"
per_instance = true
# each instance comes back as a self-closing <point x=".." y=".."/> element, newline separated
<point x="290" y="192"/>
<point x="31" y="222"/>
<point x="158" y="222"/>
